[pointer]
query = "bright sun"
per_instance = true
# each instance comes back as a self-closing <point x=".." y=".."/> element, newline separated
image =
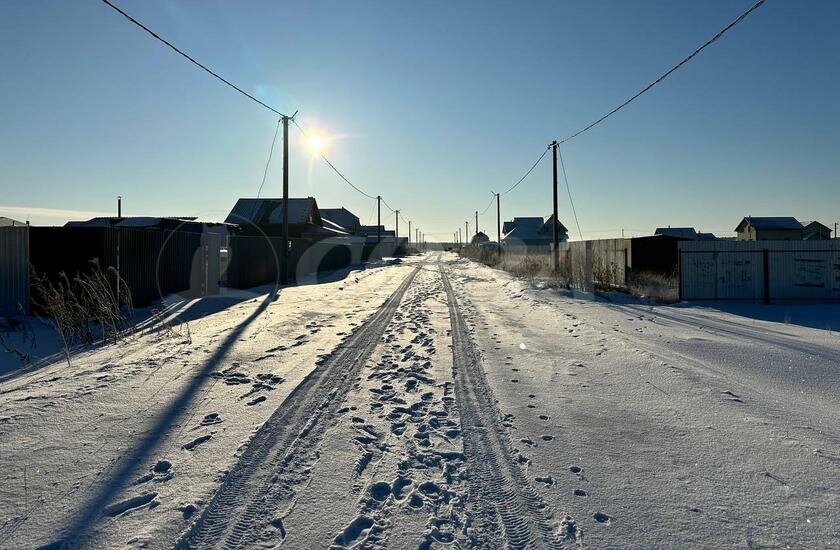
<point x="316" y="144"/>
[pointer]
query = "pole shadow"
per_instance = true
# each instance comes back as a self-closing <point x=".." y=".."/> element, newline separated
<point x="74" y="533"/>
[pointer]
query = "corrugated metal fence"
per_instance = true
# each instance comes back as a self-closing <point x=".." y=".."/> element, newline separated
<point x="256" y="261"/>
<point x="14" y="270"/>
<point x="152" y="263"/>
<point x="760" y="270"/>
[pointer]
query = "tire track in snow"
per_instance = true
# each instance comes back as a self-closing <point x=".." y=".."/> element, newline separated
<point x="248" y="506"/>
<point x="504" y="508"/>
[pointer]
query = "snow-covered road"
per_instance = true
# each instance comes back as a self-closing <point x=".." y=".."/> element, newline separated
<point x="434" y="403"/>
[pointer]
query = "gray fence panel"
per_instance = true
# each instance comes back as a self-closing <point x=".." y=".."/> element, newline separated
<point x="736" y="270"/>
<point x="14" y="270"/>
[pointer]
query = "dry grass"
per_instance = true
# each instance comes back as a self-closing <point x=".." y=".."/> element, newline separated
<point x="84" y="309"/>
<point x="574" y="275"/>
<point x="655" y="286"/>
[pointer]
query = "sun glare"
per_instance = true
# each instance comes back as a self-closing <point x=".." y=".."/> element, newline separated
<point x="316" y="144"/>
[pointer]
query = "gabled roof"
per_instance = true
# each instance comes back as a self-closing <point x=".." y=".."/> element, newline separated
<point x="678" y="232"/>
<point x="561" y="229"/>
<point x="270" y="211"/>
<point x="341" y="217"/>
<point x="769" y="223"/>
<point x="706" y="236"/>
<point x="526" y="228"/>
<point x="815" y="224"/>
<point x="480" y="237"/>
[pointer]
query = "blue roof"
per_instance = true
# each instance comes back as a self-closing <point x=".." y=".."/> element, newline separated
<point x="770" y="222"/>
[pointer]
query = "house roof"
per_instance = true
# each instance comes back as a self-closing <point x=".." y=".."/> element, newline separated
<point x="560" y="227"/>
<point x="270" y="211"/>
<point x="370" y="230"/>
<point x="145" y="222"/>
<point x="815" y="224"/>
<point x="527" y="228"/>
<point x="480" y="237"/>
<point x="341" y="217"/>
<point x="9" y="222"/>
<point x="769" y="223"/>
<point x="706" y="236"/>
<point x="335" y="228"/>
<point x="679" y="232"/>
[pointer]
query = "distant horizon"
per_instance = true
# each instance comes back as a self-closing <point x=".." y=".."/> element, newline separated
<point x="433" y="106"/>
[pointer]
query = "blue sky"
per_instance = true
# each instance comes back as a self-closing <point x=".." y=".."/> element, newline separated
<point x="432" y="104"/>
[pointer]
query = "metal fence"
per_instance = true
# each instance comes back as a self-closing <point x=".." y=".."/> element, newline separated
<point x="760" y="270"/>
<point x="152" y="263"/>
<point x="602" y="261"/>
<point x="255" y="261"/>
<point x="14" y="270"/>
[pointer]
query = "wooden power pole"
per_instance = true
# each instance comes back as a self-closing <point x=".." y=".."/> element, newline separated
<point x="555" y="238"/>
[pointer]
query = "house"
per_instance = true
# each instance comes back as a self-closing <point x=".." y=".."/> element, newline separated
<point x="778" y="228"/>
<point x="677" y="232"/>
<point x="684" y="233"/>
<point x="533" y="232"/>
<point x="265" y="216"/>
<point x="562" y="232"/>
<point x="479" y="238"/>
<point x="372" y="232"/>
<point x="815" y="231"/>
<point x="342" y="218"/>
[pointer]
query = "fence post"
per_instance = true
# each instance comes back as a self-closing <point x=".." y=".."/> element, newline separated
<point x="766" y="255"/>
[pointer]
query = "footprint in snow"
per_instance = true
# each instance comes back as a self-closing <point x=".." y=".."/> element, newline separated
<point x="196" y="442"/>
<point x="547" y="480"/>
<point x="211" y="418"/>
<point x="601" y="517"/>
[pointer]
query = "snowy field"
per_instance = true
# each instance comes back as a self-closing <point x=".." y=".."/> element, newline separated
<point x="435" y="403"/>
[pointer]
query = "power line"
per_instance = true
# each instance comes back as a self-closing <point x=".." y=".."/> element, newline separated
<point x="241" y="91"/>
<point x="270" y="153"/>
<point x="388" y="206"/>
<point x="528" y="173"/>
<point x="347" y="181"/>
<point x="190" y="58"/>
<point x="568" y="190"/>
<point x="709" y="42"/>
<point x="488" y="206"/>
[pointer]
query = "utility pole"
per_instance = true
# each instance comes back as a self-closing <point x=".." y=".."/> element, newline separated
<point x="466" y="232"/>
<point x="499" y="225"/>
<point x="378" y="218"/>
<point x="835" y="231"/>
<point x="119" y="210"/>
<point x="476" y="222"/>
<point x="284" y="254"/>
<point x="397" y="224"/>
<point x="409" y="231"/>
<point x="556" y="253"/>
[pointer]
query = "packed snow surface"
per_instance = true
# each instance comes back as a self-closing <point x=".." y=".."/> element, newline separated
<point x="434" y="403"/>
